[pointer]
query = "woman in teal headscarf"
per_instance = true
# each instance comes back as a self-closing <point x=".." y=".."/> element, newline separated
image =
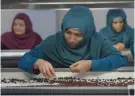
<point x="117" y="31"/>
<point x="77" y="46"/>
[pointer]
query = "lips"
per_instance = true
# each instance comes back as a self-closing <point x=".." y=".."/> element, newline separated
<point x="18" y="31"/>
<point x="72" y="44"/>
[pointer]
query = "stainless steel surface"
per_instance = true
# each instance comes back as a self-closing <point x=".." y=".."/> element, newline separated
<point x="121" y="69"/>
<point x="20" y="70"/>
<point x="24" y="50"/>
<point x="126" y="69"/>
<point x="65" y="90"/>
<point x="13" y="53"/>
<point x="58" y="95"/>
<point x="10" y="58"/>
<point x="64" y="1"/>
<point x="59" y="4"/>
<point x="65" y="6"/>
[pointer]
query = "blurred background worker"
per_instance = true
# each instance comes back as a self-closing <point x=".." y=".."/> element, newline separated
<point x="117" y="30"/>
<point x="21" y="36"/>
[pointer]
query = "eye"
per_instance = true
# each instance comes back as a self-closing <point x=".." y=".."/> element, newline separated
<point x="21" y="25"/>
<point x="68" y="32"/>
<point x="115" y="22"/>
<point x="78" y="35"/>
<point x="14" y="24"/>
<point x="121" y="21"/>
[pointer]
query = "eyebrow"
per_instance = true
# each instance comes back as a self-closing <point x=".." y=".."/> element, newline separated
<point x="78" y="34"/>
<point x="75" y="33"/>
<point x="68" y="30"/>
<point x="81" y="33"/>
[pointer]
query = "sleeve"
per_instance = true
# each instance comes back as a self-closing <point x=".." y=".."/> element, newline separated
<point x="26" y="62"/>
<point x="108" y="63"/>
<point x="110" y="59"/>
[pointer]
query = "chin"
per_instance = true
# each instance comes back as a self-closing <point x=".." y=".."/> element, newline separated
<point x="17" y="33"/>
<point x="118" y="31"/>
<point x="72" y="46"/>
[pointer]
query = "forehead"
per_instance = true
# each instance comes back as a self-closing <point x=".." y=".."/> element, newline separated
<point x="18" y="21"/>
<point x="117" y="19"/>
<point x="74" y="30"/>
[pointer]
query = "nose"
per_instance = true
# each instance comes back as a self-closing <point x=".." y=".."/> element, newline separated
<point x="118" y="25"/>
<point x="72" y="39"/>
<point x="17" y="26"/>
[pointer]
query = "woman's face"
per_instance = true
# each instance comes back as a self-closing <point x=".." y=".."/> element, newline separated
<point x="19" y="27"/>
<point x="73" y="37"/>
<point x="118" y="25"/>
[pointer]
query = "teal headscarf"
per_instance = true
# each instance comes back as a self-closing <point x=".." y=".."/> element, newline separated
<point x="57" y="51"/>
<point x="125" y="36"/>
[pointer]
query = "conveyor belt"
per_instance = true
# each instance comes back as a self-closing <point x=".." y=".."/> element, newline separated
<point x="83" y="90"/>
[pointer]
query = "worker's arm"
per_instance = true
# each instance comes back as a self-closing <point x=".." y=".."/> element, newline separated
<point x="108" y="63"/>
<point x="27" y="61"/>
<point x="35" y="61"/>
<point x="110" y="59"/>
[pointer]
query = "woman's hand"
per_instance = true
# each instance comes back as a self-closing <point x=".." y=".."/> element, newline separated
<point x="119" y="46"/>
<point x="45" y="68"/>
<point x="81" y="66"/>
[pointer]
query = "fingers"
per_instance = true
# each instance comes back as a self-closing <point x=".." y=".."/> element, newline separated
<point x="116" y="47"/>
<point x="47" y="70"/>
<point x="43" y="71"/>
<point x="52" y="71"/>
<point x="74" y="65"/>
<point x="74" y="69"/>
<point x="48" y="73"/>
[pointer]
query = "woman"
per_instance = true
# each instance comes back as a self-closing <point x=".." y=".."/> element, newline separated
<point x="22" y="35"/>
<point x="117" y="31"/>
<point x="77" y="46"/>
